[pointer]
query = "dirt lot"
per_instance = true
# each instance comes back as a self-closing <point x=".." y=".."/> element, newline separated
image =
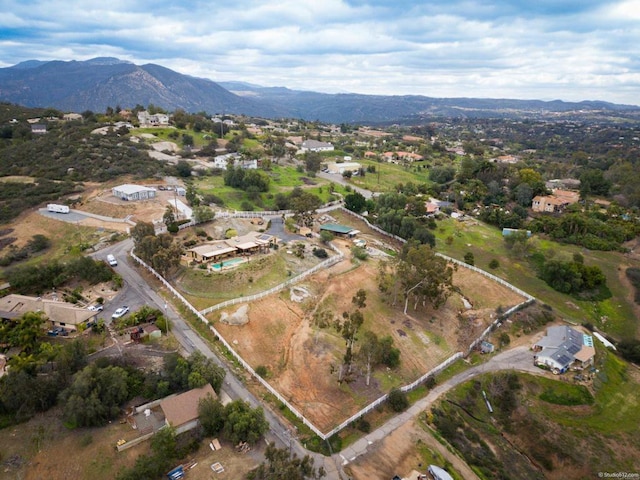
<point x="408" y="448"/>
<point x="44" y="448"/>
<point x="303" y="360"/>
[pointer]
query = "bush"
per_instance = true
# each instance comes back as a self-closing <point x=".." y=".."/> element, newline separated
<point x="493" y="264"/>
<point x="320" y="252"/>
<point x="397" y="400"/>
<point x="363" y="425"/>
<point x="469" y="258"/>
<point x="262" y="371"/>
<point x="359" y="253"/>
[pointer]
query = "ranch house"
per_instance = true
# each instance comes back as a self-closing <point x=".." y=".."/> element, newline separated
<point x="133" y="192"/>
<point x="564" y="348"/>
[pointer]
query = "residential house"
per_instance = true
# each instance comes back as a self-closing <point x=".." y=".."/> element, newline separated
<point x="564" y="348"/>
<point x="60" y="314"/>
<point x="252" y="242"/>
<point x="221" y="161"/>
<point x="71" y="116"/>
<point x="181" y="411"/>
<point x="133" y="192"/>
<point x="548" y="204"/>
<point x="432" y="208"/>
<point x="340" y="168"/>
<point x="316" y="146"/>
<point x="153" y="120"/>
<point x="566" y="196"/>
<point x="556" y="202"/>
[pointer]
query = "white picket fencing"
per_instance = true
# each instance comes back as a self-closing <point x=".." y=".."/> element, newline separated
<point x="325" y="264"/>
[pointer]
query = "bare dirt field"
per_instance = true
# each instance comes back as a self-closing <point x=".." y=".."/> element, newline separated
<point x="303" y="360"/>
<point x="44" y="448"/>
<point x="408" y="448"/>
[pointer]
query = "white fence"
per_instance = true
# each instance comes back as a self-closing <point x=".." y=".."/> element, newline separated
<point x="528" y="298"/>
<point x="383" y="398"/>
<point x="325" y="264"/>
<point x="235" y="354"/>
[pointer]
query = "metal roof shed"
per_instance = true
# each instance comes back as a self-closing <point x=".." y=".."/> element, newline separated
<point x="336" y="228"/>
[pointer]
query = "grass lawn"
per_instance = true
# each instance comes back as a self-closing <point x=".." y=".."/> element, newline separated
<point x="264" y="272"/>
<point x="486" y="244"/>
<point x="388" y="175"/>
<point x="200" y="139"/>
<point x="283" y="180"/>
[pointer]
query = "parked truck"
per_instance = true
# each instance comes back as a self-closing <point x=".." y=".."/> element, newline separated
<point x="53" y="207"/>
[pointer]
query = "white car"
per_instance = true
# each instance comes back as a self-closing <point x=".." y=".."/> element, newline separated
<point x="120" y="312"/>
<point x="96" y="308"/>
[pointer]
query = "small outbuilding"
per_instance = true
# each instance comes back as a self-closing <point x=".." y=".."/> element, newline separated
<point x="336" y="229"/>
<point x="487" y="347"/>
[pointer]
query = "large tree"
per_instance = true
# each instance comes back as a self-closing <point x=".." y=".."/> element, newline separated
<point x="95" y="396"/>
<point x="417" y="275"/>
<point x="304" y="205"/>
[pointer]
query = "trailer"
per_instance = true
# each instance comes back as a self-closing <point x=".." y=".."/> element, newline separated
<point x="53" y="207"/>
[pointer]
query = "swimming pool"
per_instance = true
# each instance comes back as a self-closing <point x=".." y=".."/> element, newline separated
<point x="227" y="263"/>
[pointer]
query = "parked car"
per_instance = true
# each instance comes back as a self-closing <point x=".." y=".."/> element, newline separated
<point x="120" y="312"/>
<point x="96" y="308"/>
<point x="54" y="332"/>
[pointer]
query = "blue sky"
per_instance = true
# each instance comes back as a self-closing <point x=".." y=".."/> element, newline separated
<point x="536" y="49"/>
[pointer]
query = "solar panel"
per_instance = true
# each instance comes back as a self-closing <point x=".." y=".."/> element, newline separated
<point x="573" y="348"/>
<point x="564" y="360"/>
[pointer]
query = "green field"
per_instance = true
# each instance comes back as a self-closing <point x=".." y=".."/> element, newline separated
<point x="486" y="244"/>
<point x="283" y="180"/>
<point x="388" y="175"/>
<point x="200" y="139"/>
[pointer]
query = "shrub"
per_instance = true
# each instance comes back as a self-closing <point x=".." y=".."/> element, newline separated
<point x="320" y="252"/>
<point x="397" y="400"/>
<point x="262" y="371"/>
<point x="493" y="264"/>
<point x="363" y="425"/>
<point x="469" y="258"/>
<point x="359" y="253"/>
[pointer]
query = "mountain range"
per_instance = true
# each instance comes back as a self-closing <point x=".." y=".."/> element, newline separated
<point x="102" y="82"/>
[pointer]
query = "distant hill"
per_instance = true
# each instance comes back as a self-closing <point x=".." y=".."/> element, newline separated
<point x="101" y="82"/>
<point x="98" y="83"/>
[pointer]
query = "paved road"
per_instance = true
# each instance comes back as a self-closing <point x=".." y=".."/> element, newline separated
<point x="517" y="359"/>
<point x="336" y="178"/>
<point x="137" y="292"/>
<point x="136" y="287"/>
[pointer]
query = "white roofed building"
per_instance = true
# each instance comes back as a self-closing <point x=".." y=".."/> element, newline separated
<point x="316" y="146"/>
<point x="133" y="192"/>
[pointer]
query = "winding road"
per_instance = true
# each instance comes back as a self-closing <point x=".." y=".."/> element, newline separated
<point x="138" y="292"/>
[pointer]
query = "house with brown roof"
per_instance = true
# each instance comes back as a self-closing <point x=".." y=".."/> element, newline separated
<point x="252" y="242"/>
<point x="547" y="203"/>
<point x="61" y="314"/>
<point x="181" y="411"/>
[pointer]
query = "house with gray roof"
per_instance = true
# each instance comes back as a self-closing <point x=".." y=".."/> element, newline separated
<point x="564" y="348"/>
<point x="133" y="192"/>
<point x="316" y="146"/>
